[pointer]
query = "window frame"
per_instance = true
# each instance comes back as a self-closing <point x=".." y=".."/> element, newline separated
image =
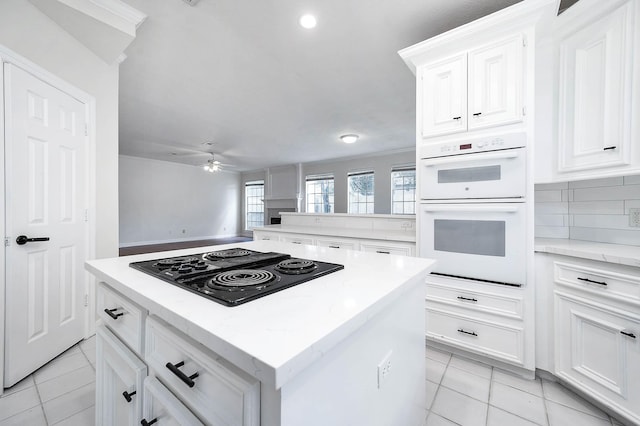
<point x="315" y="178"/>
<point x="366" y="202"/>
<point x="248" y="184"/>
<point x="393" y="191"/>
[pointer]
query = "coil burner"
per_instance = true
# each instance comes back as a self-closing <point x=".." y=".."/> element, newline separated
<point x="296" y="266"/>
<point x="241" y="278"/>
<point x="167" y="263"/>
<point x="226" y="254"/>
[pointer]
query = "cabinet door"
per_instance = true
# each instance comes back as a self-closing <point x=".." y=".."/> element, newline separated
<point x="598" y="351"/>
<point x="495" y="84"/>
<point x="442" y="96"/>
<point x="119" y="381"/>
<point x="595" y="93"/>
<point x="163" y="408"/>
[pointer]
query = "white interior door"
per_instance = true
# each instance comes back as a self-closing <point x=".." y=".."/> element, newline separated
<point x="45" y="198"/>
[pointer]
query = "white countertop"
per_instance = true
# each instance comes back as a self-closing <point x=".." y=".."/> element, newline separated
<point x="275" y="337"/>
<point x="343" y="232"/>
<point x="612" y="253"/>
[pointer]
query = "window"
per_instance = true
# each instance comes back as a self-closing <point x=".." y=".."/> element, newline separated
<point x="319" y="193"/>
<point x="254" y="206"/>
<point x="360" y="192"/>
<point x="403" y="191"/>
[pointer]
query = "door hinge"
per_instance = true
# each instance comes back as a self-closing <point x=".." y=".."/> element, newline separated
<point x="86" y="130"/>
<point x="86" y="215"/>
<point x="86" y="300"/>
<point x="524" y="42"/>
<point x="6" y="241"/>
<point x="524" y="111"/>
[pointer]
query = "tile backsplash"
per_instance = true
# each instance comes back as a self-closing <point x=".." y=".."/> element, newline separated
<point x="591" y="210"/>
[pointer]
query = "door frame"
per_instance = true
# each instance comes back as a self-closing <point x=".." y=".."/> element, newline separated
<point x="8" y="56"/>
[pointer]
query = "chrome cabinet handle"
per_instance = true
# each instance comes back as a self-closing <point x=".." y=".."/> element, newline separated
<point x="591" y="281"/>
<point x="467" y="299"/>
<point x="175" y="369"/>
<point x="471" y="333"/>
<point x="112" y="314"/>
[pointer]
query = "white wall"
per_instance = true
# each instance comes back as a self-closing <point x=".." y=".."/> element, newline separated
<point x="29" y="33"/>
<point x="380" y="164"/>
<point x="591" y="210"/>
<point x="162" y="201"/>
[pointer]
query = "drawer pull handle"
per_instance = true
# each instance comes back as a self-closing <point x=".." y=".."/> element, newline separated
<point x="477" y="114"/>
<point x="334" y="246"/>
<point x="144" y="422"/>
<point x="591" y="281"/>
<point x="175" y="369"/>
<point x="628" y="333"/>
<point x="128" y="395"/>
<point x="471" y="333"/>
<point x="608" y="148"/>
<point x="383" y="252"/>
<point x="112" y="314"/>
<point x="467" y="299"/>
<point x="457" y="118"/>
<point x="296" y="242"/>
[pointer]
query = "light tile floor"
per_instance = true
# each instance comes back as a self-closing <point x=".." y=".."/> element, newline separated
<point x="459" y="392"/>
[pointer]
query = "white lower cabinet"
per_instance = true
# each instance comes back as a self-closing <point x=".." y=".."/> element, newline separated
<point x="598" y="351"/>
<point x="386" y="247"/>
<point x="119" y="381"/>
<point x="337" y="243"/>
<point x="162" y="408"/>
<point x="216" y="391"/>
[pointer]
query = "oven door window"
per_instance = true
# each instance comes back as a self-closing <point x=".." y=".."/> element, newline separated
<point x="481" y="237"/>
<point x="469" y="174"/>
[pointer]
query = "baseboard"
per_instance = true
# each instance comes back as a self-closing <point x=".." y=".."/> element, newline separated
<point x="179" y="240"/>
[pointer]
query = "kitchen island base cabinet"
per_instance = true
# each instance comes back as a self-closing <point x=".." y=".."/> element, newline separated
<point x="119" y="381"/>
<point x="161" y="407"/>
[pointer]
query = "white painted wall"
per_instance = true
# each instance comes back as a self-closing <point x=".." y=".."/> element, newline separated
<point x="31" y="34"/>
<point x="162" y="202"/>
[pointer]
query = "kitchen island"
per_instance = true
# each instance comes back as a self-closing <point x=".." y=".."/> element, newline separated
<point x="345" y="348"/>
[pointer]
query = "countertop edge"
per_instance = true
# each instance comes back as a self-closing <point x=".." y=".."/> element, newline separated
<point x="603" y="252"/>
<point x="342" y="232"/>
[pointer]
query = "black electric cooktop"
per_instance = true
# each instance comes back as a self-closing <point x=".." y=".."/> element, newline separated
<point x="235" y="276"/>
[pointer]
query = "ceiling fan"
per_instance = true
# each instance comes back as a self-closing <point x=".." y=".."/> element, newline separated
<point x="212" y="165"/>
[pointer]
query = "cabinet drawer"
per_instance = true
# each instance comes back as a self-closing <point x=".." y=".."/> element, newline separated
<point x="337" y="243"/>
<point x="601" y="281"/>
<point x="386" y="248"/>
<point x="297" y="240"/>
<point x="265" y="236"/>
<point x="498" y="304"/>
<point x="219" y="393"/>
<point x="489" y="338"/>
<point x="122" y="316"/>
<point x="160" y="404"/>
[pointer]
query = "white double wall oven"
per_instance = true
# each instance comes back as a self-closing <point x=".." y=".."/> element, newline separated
<point x="472" y="208"/>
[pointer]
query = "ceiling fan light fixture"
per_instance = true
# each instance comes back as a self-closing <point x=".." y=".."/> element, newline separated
<point x="351" y="138"/>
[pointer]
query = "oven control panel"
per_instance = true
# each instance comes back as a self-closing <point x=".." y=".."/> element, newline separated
<point x="472" y="145"/>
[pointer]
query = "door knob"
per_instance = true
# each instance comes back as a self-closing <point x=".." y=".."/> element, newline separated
<point x="22" y="239"/>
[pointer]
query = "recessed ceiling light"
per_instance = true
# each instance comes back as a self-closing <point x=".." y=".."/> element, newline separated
<point x="349" y="138"/>
<point x="308" y="21"/>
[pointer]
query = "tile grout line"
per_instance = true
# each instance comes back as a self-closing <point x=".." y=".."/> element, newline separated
<point x="486" y="419"/>
<point x="44" y="414"/>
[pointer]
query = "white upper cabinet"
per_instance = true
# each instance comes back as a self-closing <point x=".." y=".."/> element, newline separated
<point x="472" y="90"/>
<point x="598" y="89"/>
<point x="444" y="96"/>
<point x="495" y="84"/>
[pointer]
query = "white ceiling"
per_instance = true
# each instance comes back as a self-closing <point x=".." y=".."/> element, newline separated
<point x="245" y="76"/>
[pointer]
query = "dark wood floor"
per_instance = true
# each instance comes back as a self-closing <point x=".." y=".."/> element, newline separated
<point x="126" y="251"/>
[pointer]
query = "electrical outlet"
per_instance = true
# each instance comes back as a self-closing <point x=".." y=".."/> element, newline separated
<point x="634" y="218"/>
<point x="384" y="369"/>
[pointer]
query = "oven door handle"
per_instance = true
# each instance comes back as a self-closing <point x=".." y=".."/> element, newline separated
<point x="454" y="159"/>
<point x="469" y="208"/>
